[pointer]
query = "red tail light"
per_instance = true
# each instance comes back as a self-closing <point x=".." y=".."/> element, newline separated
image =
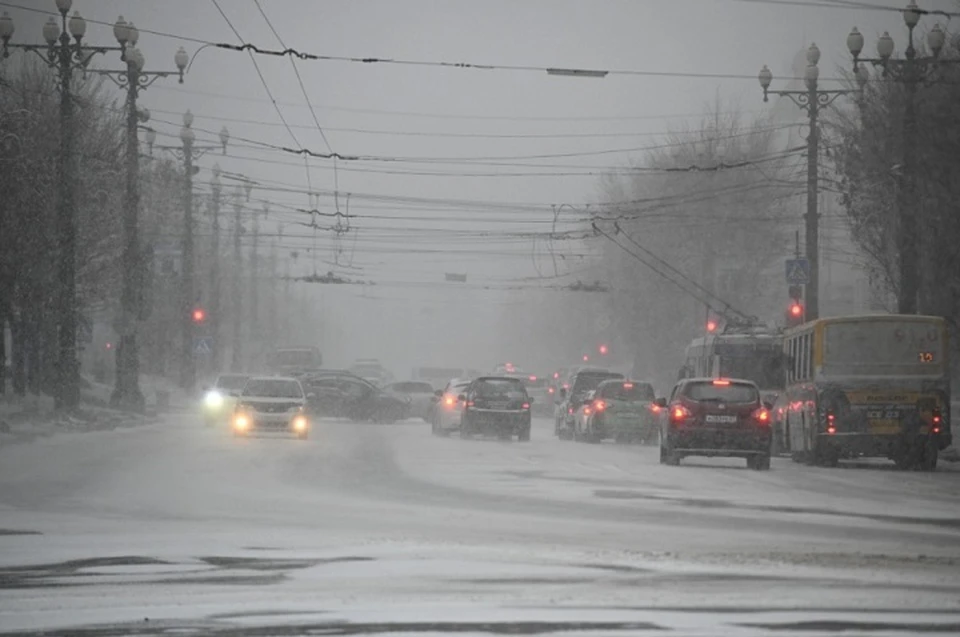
<point x="586" y="411"/>
<point x="722" y="383"/>
<point x="526" y="405"/>
<point x="831" y="423"/>
<point x="762" y="416"/>
<point x="655" y="408"/>
<point x="628" y="385"/>
<point x="679" y="413"/>
<point x="599" y="405"/>
<point x="469" y="403"/>
<point x="551" y="390"/>
<point x="570" y="410"/>
<point x="449" y="400"/>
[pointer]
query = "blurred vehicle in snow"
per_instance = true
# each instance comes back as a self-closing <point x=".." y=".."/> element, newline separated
<point x="447" y="407"/>
<point x="419" y="393"/>
<point x="496" y="405"/>
<point x="620" y="410"/>
<point x="294" y="360"/>
<point x="219" y="399"/>
<point x="439" y="376"/>
<point x="271" y="403"/>
<point x="342" y="394"/>
<point x="372" y="371"/>
<point x="581" y="382"/>
<point x="715" y="417"/>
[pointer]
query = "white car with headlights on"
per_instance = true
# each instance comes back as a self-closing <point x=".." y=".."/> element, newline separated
<point x="273" y="404"/>
<point x="219" y="401"/>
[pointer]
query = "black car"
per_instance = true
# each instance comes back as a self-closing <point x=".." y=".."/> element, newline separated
<point x="716" y="417"/>
<point x="497" y="405"/>
<point x="340" y="394"/>
<point x="583" y="381"/>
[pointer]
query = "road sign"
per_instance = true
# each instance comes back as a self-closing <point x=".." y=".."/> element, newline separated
<point x="203" y="345"/>
<point x="798" y="271"/>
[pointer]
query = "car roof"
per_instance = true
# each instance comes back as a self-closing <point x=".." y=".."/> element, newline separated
<point x="617" y="381"/>
<point x="498" y="377"/>
<point x="286" y="378"/>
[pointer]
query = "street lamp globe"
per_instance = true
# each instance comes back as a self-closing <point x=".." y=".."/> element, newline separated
<point x="813" y="55"/>
<point x="180" y="58"/>
<point x="63" y="6"/>
<point x="215" y="186"/>
<point x="133" y="34"/>
<point x="77" y="26"/>
<point x="936" y="39"/>
<point x="216" y="171"/>
<point x="151" y="136"/>
<point x="188" y="119"/>
<point x="143" y="114"/>
<point x="120" y="31"/>
<point x="811" y="75"/>
<point x="51" y="31"/>
<point x="911" y="15"/>
<point x="186" y="135"/>
<point x="855" y="42"/>
<point x="6" y="26"/>
<point x="247" y="187"/>
<point x="224" y="138"/>
<point x="135" y="59"/>
<point x="765" y="77"/>
<point x="885" y="46"/>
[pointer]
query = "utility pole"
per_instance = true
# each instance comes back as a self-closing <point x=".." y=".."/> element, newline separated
<point x="917" y="269"/>
<point x="274" y="297"/>
<point x="188" y="153"/>
<point x="255" y="331"/>
<point x="216" y="189"/>
<point x="811" y="100"/>
<point x="236" y="364"/>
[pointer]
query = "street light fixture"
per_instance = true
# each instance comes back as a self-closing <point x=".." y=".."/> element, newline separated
<point x="911" y="71"/>
<point x="811" y="100"/>
<point x="64" y="52"/>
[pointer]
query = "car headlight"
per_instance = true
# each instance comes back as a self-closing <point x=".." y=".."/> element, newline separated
<point x="241" y="422"/>
<point x="213" y="399"/>
<point x="300" y="423"/>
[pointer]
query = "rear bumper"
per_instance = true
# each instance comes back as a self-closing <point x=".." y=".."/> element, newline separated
<point x="720" y="442"/>
<point x="497" y="420"/>
<point x="270" y="423"/>
<point x="611" y="426"/>
<point x="879" y="445"/>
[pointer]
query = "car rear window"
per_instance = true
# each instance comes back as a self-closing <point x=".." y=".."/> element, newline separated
<point x="490" y="387"/>
<point x="728" y="393"/>
<point x="627" y="391"/>
<point x="270" y="388"/>
<point x="588" y="382"/>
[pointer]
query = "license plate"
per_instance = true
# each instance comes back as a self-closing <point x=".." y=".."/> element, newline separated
<point x="721" y="419"/>
<point x="497" y="405"/>
<point x="883" y="414"/>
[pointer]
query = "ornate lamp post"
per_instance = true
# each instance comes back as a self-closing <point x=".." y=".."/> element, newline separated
<point x="812" y="100"/>
<point x="911" y="71"/>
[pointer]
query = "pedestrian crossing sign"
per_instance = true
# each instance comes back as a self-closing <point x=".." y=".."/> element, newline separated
<point x="203" y="345"/>
<point x="798" y="271"/>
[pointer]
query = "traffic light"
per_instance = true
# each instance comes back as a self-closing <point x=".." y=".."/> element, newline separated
<point x="199" y="315"/>
<point x="711" y="325"/>
<point x="795" y="312"/>
<point x="586" y="359"/>
<point x="604" y="349"/>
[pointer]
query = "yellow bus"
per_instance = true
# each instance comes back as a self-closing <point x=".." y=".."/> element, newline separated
<point x="868" y="386"/>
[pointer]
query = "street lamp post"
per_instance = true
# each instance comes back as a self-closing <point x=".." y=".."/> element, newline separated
<point x="911" y="71"/>
<point x="255" y="331"/>
<point x="188" y="153"/>
<point x="134" y="79"/>
<point x="64" y="52"/>
<point x="236" y="291"/>
<point x="216" y="189"/>
<point x="812" y="100"/>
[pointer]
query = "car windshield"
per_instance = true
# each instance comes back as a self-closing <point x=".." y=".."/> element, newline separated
<point x="272" y="388"/>
<point x="497" y="387"/>
<point x="626" y="391"/>
<point x="232" y="381"/>
<point x="710" y="391"/>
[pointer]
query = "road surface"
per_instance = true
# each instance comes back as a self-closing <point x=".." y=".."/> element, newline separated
<point x="173" y="528"/>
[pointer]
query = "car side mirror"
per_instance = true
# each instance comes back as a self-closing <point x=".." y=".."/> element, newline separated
<point x="660" y="402"/>
<point x="462" y="397"/>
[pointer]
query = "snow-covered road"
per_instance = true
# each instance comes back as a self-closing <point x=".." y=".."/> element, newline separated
<point x="367" y="529"/>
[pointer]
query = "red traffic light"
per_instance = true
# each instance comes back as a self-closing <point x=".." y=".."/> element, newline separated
<point x="586" y="358"/>
<point x="199" y="315"/>
<point x="604" y="349"/>
<point x="796" y="310"/>
<point x="711" y="325"/>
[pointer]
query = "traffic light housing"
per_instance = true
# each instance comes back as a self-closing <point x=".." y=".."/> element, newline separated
<point x="795" y="313"/>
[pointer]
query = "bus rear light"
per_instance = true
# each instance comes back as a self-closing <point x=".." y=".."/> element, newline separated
<point x="831" y="423"/>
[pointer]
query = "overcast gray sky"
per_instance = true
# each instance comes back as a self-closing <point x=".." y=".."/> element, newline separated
<point x="397" y="112"/>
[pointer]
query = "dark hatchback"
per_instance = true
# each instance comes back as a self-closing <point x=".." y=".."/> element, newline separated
<point x="496" y="405"/>
<point x="715" y="417"/>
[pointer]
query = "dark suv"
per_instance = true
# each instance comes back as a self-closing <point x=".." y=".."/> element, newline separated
<point x="715" y="417"/>
<point x="582" y="383"/>
<point x="495" y="405"/>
